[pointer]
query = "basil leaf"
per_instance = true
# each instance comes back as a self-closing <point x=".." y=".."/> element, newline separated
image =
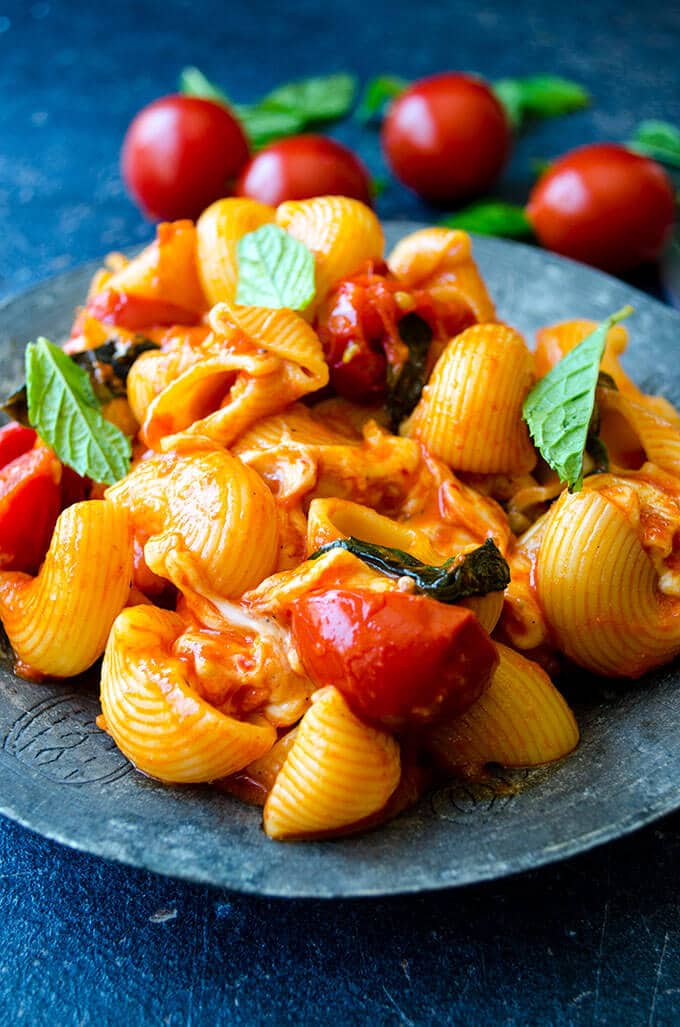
<point x="274" y="270"/>
<point x="321" y="98"/>
<point x="659" y="140"/>
<point x="264" y="126"/>
<point x="192" y="82"/>
<point x="481" y="571"/>
<point x="492" y="217"/>
<point x="405" y="388"/>
<point x="63" y="409"/>
<point x="559" y="408"/>
<point x="596" y="449"/>
<point x="377" y="94"/>
<point x="539" y="96"/>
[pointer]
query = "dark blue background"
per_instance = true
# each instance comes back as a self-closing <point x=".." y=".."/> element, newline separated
<point x="595" y="940"/>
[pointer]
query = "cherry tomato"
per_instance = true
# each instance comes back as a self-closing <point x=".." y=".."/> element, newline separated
<point x="30" y="501"/>
<point x="303" y="166"/>
<point x="180" y="154"/>
<point x="399" y="659"/>
<point x="605" y="206"/>
<point x="15" y="440"/>
<point x="127" y="310"/>
<point x="447" y="137"/>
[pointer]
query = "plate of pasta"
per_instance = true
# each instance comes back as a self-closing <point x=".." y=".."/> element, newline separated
<point x="338" y="559"/>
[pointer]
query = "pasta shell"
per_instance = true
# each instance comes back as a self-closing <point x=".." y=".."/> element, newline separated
<point x="166" y="269"/>
<point x="598" y="589"/>
<point x="154" y="715"/>
<point x="342" y="234"/>
<point x="657" y="437"/>
<point x="440" y="260"/>
<point x="338" y="771"/>
<point x="219" y="229"/>
<point x="59" y="621"/>
<point x="521" y="720"/>
<point x="330" y="519"/>
<point x="470" y="413"/>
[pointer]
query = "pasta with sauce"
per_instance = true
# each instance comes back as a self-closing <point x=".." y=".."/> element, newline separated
<point x="338" y="564"/>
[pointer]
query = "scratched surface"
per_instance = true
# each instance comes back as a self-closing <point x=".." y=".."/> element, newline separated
<point x="595" y="940"/>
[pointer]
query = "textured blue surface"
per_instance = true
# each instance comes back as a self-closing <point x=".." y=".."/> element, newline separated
<point x="82" y="942"/>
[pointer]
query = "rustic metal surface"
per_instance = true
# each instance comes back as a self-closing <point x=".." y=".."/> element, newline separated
<point x="62" y="777"/>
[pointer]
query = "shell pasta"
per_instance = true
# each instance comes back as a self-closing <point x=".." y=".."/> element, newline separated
<point x="351" y="553"/>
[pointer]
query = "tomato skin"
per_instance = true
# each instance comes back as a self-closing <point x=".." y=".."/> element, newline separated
<point x="15" y="439"/>
<point x="605" y="206"/>
<point x="401" y="660"/>
<point x="447" y="137"/>
<point x="181" y="153"/>
<point x="302" y="166"/>
<point x="127" y="310"/>
<point x="30" y="501"/>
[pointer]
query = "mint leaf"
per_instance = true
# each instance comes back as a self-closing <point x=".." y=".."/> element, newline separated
<point x="659" y="140"/>
<point x="192" y="82"/>
<point x="377" y="94"/>
<point x="491" y="217"/>
<point x="559" y="408"/>
<point x="539" y="96"/>
<point x="274" y="270"/>
<point x="64" y="411"/>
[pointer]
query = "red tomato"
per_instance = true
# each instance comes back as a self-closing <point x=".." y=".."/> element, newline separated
<point x="303" y="166"/>
<point x="133" y="312"/>
<point x="399" y="659"/>
<point x="30" y="501"/>
<point x="15" y="440"/>
<point x="447" y="137"/>
<point x="605" y="206"/>
<point x="180" y="154"/>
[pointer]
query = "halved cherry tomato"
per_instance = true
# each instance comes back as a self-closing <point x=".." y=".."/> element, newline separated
<point x="605" y="206"/>
<point x="127" y="310"/>
<point x="30" y="501"/>
<point x="447" y="137"/>
<point x="180" y="154"/>
<point x="303" y="166"/>
<point x="401" y="660"/>
<point x="15" y="439"/>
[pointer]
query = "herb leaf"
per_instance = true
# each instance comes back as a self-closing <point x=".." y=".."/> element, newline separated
<point x="492" y="217"/>
<point x="63" y="409"/>
<point x="658" y="139"/>
<point x="192" y="82"/>
<point x="377" y="94"/>
<point x="405" y="388"/>
<point x="274" y="270"/>
<point x="559" y="408"/>
<point x="539" y="96"/>
<point x="481" y="571"/>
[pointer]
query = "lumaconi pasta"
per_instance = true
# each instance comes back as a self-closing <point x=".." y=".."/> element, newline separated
<point x="295" y="589"/>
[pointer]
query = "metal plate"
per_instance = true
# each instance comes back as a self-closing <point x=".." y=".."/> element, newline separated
<point x="62" y="777"/>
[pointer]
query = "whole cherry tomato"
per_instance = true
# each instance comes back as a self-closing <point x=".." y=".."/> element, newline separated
<point x="30" y="501"/>
<point x="447" y="137"/>
<point x="605" y="206"/>
<point x="303" y="166"/>
<point x="180" y="154"/>
<point x="399" y="659"/>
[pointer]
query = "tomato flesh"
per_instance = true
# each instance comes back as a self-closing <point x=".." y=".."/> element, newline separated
<point x="401" y="660"/>
<point x="127" y="310"/>
<point x="605" y="206"/>
<point x="30" y="501"/>
<point x="15" y="439"/>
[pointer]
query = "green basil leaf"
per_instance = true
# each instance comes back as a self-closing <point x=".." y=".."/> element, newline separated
<point x="274" y="270"/>
<point x="63" y="409"/>
<point x="559" y="408"/>
<point x="492" y="217"/>
<point x="321" y="98"/>
<point x="377" y="94"/>
<point x="192" y="82"/>
<point x="264" y="126"/>
<point x="539" y="96"/>
<point x="405" y="388"/>
<point x="659" y="140"/>
<point x="477" y="573"/>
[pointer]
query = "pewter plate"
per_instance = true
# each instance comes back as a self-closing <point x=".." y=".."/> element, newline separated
<point x="62" y="777"/>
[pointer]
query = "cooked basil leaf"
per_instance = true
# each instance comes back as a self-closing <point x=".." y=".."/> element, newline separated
<point x="659" y="140"/>
<point x="274" y="270"/>
<point x="476" y="573"/>
<point x="559" y="408"/>
<point x="404" y="389"/>
<point x="492" y="217"/>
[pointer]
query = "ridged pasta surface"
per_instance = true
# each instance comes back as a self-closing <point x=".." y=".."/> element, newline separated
<point x="219" y="229"/>
<point x="338" y="771"/>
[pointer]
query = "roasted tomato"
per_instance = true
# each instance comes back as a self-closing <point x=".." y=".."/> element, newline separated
<point x="447" y="137"/>
<point x="401" y="660"/>
<point x="180" y="154"/>
<point x="127" y="310"/>
<point x="15" y="440"/>
<point x="605" y="206"/>
<point x="30" y="501"/>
